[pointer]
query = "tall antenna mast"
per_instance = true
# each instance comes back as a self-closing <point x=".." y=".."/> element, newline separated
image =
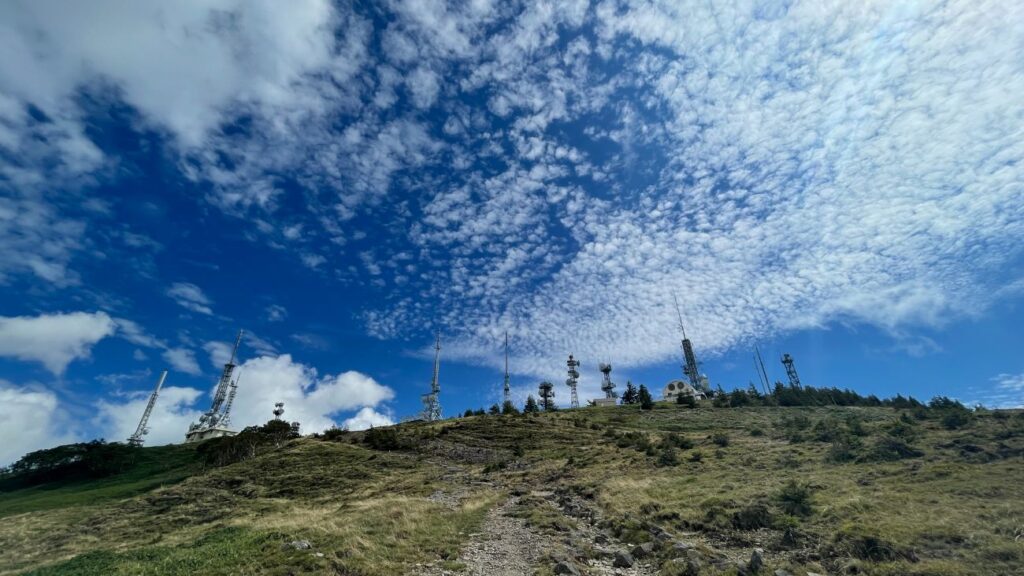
<point x="690" y="368"/>
<point x="214" y="417"/>
<point x="787" y="361"/>
<point x="761" y="362"/>
<point x="508" y="388"/>
<point x="761" y="378"/>
<point x="572" y="380"/>
<point x="431" y="403"/>
<point x="226" y="419"/>
<point x="143" y="429"/>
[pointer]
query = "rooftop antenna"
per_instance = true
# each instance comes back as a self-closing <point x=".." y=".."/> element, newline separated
<point x="787" y="361"/>
<point x="547" y="395"/>
<point x="278" y="410"/>
<point x="214" y="416"/>
<point x="143" y="429"/>
<point x="607" y="386"/>
<point x="431" y="404"/>
<point x="690" y="368"/>
<point x="508" y="388"/>
<point x="572" y="380"/>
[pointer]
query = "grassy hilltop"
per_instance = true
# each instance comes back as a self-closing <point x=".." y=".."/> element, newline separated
<point x="826" y="490"/>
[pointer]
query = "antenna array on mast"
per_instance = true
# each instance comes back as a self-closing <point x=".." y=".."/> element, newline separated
<point x="607" y="386"/>
<point x="431" y="402"/>
<point x="572" y="380"/>
<point x="143" y="429"/>
<point x="690" y="368"/>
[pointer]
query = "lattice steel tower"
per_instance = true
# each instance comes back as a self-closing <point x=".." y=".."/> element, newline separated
<point x="572" y="380"/>
<point x="507" y="388"/>
<point x="217" y="415"/>
<point x="143" y="429"/>
<point x="787" y="361"/>
<point x="607" y="386"/>
<point x="690" y="368"/>
<point x="431" y="402"/>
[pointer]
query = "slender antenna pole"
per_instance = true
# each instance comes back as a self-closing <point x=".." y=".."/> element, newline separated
<point x="761" y="360"/>
<point x="507" y="389"/>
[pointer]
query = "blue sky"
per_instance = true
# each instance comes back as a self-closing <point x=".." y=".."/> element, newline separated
<point x="839" y="181"/>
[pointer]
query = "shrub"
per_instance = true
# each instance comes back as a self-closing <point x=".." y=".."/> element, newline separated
<point x="844" y="449"/>
<point x="644" y="396"/>
<point x="956" y="419"/>
<point x="508" y="407"/>
<point x="696" y="457"/>
<point x="531" y="406"/>
<point x="495" y="410"/>
<point x="720" y="439"/>
<point x="668" y="457"/>
<point x="891" y="449"/>
<point x="795" y="499"/>
<point x="384" y="439"/>
<point x="757" y="431"/>
<point x="248" y="443"/>
<point x="752" y="517"/>
<point x="334" y="433"/>
<point x="686" y="400"/>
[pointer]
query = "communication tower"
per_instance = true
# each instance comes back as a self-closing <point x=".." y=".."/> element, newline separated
<point x="278" y="410"/>
<point x="690" y="368"/>
<point x="214" y="422"/>
<point x="607" y="386"/>
<point x="787" y="361"/>
<point x="572" y="380"/>
<point x="431" y="402"/>
<point x="226" y="420"/>
<point x="143" y="429"/>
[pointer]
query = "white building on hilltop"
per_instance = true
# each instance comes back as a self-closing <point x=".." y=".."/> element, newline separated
<point x="678" y="387"/>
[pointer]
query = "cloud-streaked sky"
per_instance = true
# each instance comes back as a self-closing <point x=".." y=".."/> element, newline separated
<point x="839" y="180"/>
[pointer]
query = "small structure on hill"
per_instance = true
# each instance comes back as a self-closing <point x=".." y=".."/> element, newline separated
<point x="681" y="388"/>
<point x="214" y="423"/>
<point x="278" y="410"/>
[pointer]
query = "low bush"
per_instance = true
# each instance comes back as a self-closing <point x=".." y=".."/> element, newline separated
<point x="752" y="517"/>
<point x="720" y="439"/>
<point x="795" y="499"/>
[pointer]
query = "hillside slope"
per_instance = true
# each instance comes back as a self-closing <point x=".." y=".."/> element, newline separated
<point x="823" y="490"/>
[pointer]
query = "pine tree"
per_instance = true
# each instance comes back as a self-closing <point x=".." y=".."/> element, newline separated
<point x="494" y="410"/>
<point x="468" y="413"/>
<point x="629" y="396"/>
<point x="531" y="405"/>
<point x="509" y="408"/>
<point x="644" y="397"/>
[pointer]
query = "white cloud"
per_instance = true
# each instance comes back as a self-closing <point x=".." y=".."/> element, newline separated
<point x="309" y="399"/>
<point x="183" y="360"/>
<point x="367" y="418"/>
<point x="29" y="420"/>
<point x="55" y="340"/>
<point x="423" y="84"/>
<point x="276" y="313"/>
<point x="1008" y="392"/>
<point x="171" y="416"/>
<point x="190" y="296"/>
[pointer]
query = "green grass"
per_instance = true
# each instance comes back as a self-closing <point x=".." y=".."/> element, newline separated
<point x="155" y="467"/>
<point x="952" y="505"/>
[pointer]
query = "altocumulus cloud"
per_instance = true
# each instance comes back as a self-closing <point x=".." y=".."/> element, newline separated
<point x="775" y="165"/>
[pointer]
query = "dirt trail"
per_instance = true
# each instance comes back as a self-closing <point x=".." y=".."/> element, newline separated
<point x="505" y="546"/>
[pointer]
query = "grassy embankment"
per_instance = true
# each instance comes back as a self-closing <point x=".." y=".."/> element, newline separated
<point x="833" y="490"/>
